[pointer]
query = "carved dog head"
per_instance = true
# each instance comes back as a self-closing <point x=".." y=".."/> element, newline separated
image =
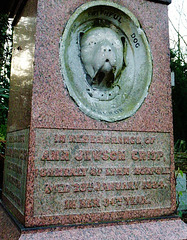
<point x="102" y="53"/>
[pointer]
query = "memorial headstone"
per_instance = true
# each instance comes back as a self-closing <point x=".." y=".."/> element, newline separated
<point x="90" y="134"/>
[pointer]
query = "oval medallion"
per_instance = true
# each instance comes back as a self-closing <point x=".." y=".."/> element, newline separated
<point x="105" y="61"/>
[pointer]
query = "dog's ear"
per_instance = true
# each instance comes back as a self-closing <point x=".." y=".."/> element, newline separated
<point x="80" y="37"/>
<point x="124" y="42"/>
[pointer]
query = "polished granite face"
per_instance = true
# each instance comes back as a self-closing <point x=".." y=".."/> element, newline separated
<point x="68" y="150"/>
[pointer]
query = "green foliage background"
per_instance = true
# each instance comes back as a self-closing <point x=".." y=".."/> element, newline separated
<point x="5" y="59"/>
<point x="179" y="98"/>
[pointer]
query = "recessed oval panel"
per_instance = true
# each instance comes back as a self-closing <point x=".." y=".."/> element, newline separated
<point x="105" y="61"/>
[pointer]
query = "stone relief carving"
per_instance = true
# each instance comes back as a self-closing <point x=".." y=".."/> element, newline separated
<point x="105" y="61"/>
<point x="102" y="54"/>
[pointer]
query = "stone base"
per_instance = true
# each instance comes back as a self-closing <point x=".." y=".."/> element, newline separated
<point x="166" y="228"/>
<point x="8" y="229"/>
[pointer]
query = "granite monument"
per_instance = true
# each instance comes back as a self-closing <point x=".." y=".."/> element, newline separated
<point x="90" y="134"/>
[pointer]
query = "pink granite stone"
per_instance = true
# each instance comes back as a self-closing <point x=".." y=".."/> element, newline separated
<point x="153" y="230"/>
<point x="167" y="229"/>
<point x="52" y="109"/>
<point x="52" y="106"/>
<point x="8" y="229"/>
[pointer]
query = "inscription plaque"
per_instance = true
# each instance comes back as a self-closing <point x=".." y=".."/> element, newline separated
<point x="79" y="172"/>
<point x="16" y="167"/>
<point x="106" y="61"/>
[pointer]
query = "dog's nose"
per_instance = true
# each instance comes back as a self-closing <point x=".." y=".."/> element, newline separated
<point x="107" y="49"/>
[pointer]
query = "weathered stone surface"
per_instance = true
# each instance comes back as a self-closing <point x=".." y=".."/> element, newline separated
<point x="86" y="172"/>
<point x="106" y="61"/>
<point x="15" y="168"/>
<point x="53" y="112"/>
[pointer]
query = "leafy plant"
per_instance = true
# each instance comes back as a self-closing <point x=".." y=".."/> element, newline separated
<point x="180" y="146"/>
<point x="179" y="96"/>
<point x="5" y="59"/>
<point x="178" y="193"/>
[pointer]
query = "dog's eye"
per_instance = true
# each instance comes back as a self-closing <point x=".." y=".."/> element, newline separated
<point x="91" y="43"/>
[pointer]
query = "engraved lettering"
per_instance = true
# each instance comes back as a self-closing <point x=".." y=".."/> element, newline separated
<point x="14" y="181"/>
<point x="95" y="171"/>
<point x="99" y="155"/>
<point x="146" y="155"/>
<point x="79" y="156"/>
<point x="15" y="198"/>
<point x="153" y="185"/>
<point x="111" y="170"/>
<point x="150" y="171"/>
<point x="96" y="155"/>
<point x="70" y="204"/>
<point x="87" y="156"/>
<point x="117" y="171"/>
<point x="48" y="189"/>
<point x="63" y="172"/>
<point x="135" y="40"/>
<point x="60" y="138"/>
<point x="120" y="201"/>
<point x="45" y="156"/>
<point x="14" y="167"/>
<point x="55" y="155"/>
<point x="64" y="156"/>
<point x="89" y="203"/>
